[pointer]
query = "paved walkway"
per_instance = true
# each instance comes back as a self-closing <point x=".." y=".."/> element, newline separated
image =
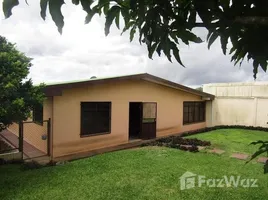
<point x="240" y="156"/>
<point x="262" y="159"/>
<point x="29" y="151"/>
<point x="217" y="151"/>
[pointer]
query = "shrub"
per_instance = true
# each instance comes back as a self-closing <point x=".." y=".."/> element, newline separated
<point x="177" y="142"/>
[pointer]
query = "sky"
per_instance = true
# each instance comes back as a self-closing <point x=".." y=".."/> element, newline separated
<point x="83" y="51"/>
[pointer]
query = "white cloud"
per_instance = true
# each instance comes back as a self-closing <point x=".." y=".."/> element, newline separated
<point x="83" y="51"/>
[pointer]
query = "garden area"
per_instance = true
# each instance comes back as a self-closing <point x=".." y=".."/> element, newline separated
<point x="149" y="172"/>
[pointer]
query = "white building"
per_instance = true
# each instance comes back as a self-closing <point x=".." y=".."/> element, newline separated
<point x="238" y="103"/>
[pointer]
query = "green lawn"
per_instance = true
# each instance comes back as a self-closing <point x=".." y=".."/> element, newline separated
<point x="142" y="173"/>
<point x="233" y="140"/>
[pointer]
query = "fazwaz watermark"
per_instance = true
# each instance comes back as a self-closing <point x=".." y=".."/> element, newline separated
<point x="190" y="180"/>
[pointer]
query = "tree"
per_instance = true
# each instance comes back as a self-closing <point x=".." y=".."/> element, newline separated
<point x="199" y="89"/>
<point x="18" y="96"/>
<point x="163" y="25"/>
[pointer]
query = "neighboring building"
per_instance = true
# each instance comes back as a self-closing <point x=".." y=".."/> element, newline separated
<point x="239" y="103"/>
<point x="98" y="113"/>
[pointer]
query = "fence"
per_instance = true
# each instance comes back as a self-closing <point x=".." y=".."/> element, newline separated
<point x="36" y="138"/>
<point x="9" y="146"/>
<point x="6" y="146"/>
<point x="30" y="138"/>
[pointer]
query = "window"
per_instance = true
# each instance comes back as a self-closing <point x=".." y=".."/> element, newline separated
<point x="193" y="112"/>
<point x="38" y="114"/>
<point x="95" y="118"/>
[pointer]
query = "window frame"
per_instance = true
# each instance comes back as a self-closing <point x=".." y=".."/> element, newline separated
<point x="192" y="108"/>
<point x="82" y="135"/>
<point x="38" y="121"/>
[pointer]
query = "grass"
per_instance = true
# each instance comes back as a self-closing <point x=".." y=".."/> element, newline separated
<point x="233" y="140"/>
<point x="143" y="173"/>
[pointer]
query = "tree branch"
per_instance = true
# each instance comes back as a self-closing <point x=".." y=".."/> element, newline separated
<point x="252" y="20"/>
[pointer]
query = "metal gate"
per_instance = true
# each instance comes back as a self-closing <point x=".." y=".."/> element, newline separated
<point x="34" y="139"/>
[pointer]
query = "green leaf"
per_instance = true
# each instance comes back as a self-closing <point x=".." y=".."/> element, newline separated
<point x="187" y="36"/>
<point x="86" y="5"/>
<point x="125" y="14"/>
<point x="106" y="8"/>
<point x="249" y="56"/>
<point x="257" y="142"/>
<point x="151" y="50"/>
<point x="265" y="167"/>
<point x="141" y="11"/>
<point x="105" y="4"/>
<point x="197" y="39"/>
<point x="264" y="145"/>
<point x="166" y="49"/>
<point x="76" y="2"/>
<point x="132" y="33"/>
<point x="192" y="18"/>
<point x="232" y="50"/>
<point x="224" y="3"/>
<point x="212" y="39"/>
<point x="55" y="11"/>
<point x="159" y="49"/>
<point x="176" y="54"/>
<point x="133" y="4"/>
<point x="8" y="5"/>
<point x="255" y="68"/>
<point x="257" y="153"/>
<point x="263" y="64"/>
<point x="224" y="41"/>
<point x="110" y="17"/>
<point x="173" y="35"/>
<point x="89" y="16"/>
<point x="144" y="31"/>
<point x="128" y="26"/>
<point x="209" y="34"/>
<point x="117" y="18"/>
<point x="43" y="6"/>
<point x="239" y="57"/>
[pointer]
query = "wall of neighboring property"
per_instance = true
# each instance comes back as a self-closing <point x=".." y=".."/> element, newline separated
<point x="66" y="113"/>
<point x="239" y="103"/>
<point x="33" y="132"/>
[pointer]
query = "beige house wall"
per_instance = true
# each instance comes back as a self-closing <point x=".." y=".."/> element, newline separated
<point x="66" y="113"/>
<point x="239" y="103"/>
<point x="33" y="132"/>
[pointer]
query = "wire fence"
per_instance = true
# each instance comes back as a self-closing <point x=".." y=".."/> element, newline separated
<point x="30" y="138"/>
<point x="6" y="146"/>
<point x="36" y="139"/>
<point x="9" y="139"/>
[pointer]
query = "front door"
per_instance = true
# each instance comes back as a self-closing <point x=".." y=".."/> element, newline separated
<point x="149" y="113"/>
<point x="135" y="120"/>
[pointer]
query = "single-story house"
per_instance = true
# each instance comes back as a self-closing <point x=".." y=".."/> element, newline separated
<point x="103" y="112"/>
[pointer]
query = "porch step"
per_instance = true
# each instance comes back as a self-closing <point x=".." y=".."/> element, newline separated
<point x="43" y="160"/>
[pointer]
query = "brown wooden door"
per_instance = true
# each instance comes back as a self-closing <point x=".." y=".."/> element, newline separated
<point x="149" y="113"/>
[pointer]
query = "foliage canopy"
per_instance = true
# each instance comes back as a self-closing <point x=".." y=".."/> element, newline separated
<point x="164" y="25"/>
<point x="18" y="96"/>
